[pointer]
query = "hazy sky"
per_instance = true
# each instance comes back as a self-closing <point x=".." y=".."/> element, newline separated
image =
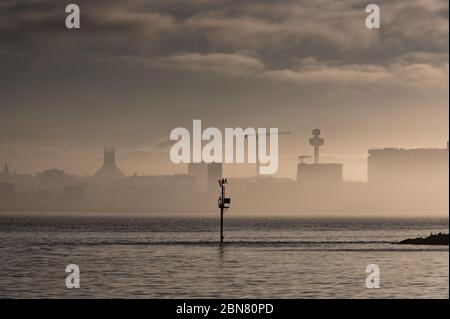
<point x="137" y="69"/>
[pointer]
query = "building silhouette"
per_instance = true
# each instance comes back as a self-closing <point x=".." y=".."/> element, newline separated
<point x="215" y="172"/>
<point x="322" y="174"/>
<point x="74" y="193"/>
<point x="401" y="180"/>
<point x="54" y="180"/>
<point x="205" y="175"/>
<point x="319" y="174"/>
<point x="316" y="141"/>
<point x="109" y="172"/>
<point x="199" y="175"/>
<point x="398" y="165"/>
<point x="6" y="169"/>
<point x="319" y="184"/>
<point x="7" y="190"/>
<point x="5" y="174"/>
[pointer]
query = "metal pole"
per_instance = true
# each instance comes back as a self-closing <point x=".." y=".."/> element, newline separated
<point x="221" y="212"/>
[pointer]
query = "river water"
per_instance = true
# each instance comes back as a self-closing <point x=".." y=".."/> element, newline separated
<point x="156" y="257"/>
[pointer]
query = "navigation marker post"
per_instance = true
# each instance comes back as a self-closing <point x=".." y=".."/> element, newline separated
<point x="224" y="204"/>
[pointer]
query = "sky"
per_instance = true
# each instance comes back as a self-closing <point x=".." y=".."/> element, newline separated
<point x="137" y="69"/>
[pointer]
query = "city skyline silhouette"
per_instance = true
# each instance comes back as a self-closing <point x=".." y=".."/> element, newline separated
<point x="66" y="92"/>
<point x="400" y="181"/>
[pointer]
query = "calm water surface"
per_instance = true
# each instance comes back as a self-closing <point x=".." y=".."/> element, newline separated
<point x="149" y="257"/>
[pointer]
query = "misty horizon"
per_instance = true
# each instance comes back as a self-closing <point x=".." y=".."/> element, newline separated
<point x="140" y="161"/>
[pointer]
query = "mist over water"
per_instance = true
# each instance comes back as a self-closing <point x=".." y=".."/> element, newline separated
<point x="152" y="257"/>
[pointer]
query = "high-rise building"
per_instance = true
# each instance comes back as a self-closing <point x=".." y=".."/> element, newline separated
<point x="411" y="166"/>
<point x="199" y="174"/>
<point x="416" y="179"/>
<point x="214" y="174"/>
<point x="205" y="176"/>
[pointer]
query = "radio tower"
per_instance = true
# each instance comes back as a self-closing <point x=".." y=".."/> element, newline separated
<point x="316" y="141"/>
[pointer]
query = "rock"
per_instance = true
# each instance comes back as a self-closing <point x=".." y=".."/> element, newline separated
<point x="433" y="239"/>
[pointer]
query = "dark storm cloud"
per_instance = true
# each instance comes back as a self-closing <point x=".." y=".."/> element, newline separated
<point x="301" y="42"/>
<point x="207" y="35"/>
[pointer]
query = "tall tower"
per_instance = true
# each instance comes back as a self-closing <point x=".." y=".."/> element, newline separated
<point x="109" y="172"/>
<point x="316" y="141"/>
<point x="109" y="157"/>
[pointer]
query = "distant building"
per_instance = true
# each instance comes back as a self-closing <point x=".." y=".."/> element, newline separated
<point x="205" y="176"/>
<point x="325" y="174"/>
<point x="109" y="172"/>
<point x="7" y="190"/>
<point x="6" y="169"/>
<point x="319" y="174"/>
<point x="21" y="181"/>
<point x="410" y="166"/>
<point x="167" y="181"/>
<point x="5" y="174"/>
<point x="319" y="184"/>
<point x="215" y="172"/>
<point x="199" y="175"/>
<point x="413" y="179"/>
<point x="74" y="193"/>
<point x="54" y="180"/>
<point x="316" y="141"/>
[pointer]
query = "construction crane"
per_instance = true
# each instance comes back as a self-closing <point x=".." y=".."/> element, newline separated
<point x="257" y="146"/>
<point x="303" y="157"/>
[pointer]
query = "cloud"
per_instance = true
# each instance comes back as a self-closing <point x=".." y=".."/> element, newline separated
<point x="326" y="73"/>
<point x="421" y="71"/>
<point x="272" y="30"/>
<point x="399" y="73"/>
<point x="227" y="64"/>
<point x="267" y="39"/>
